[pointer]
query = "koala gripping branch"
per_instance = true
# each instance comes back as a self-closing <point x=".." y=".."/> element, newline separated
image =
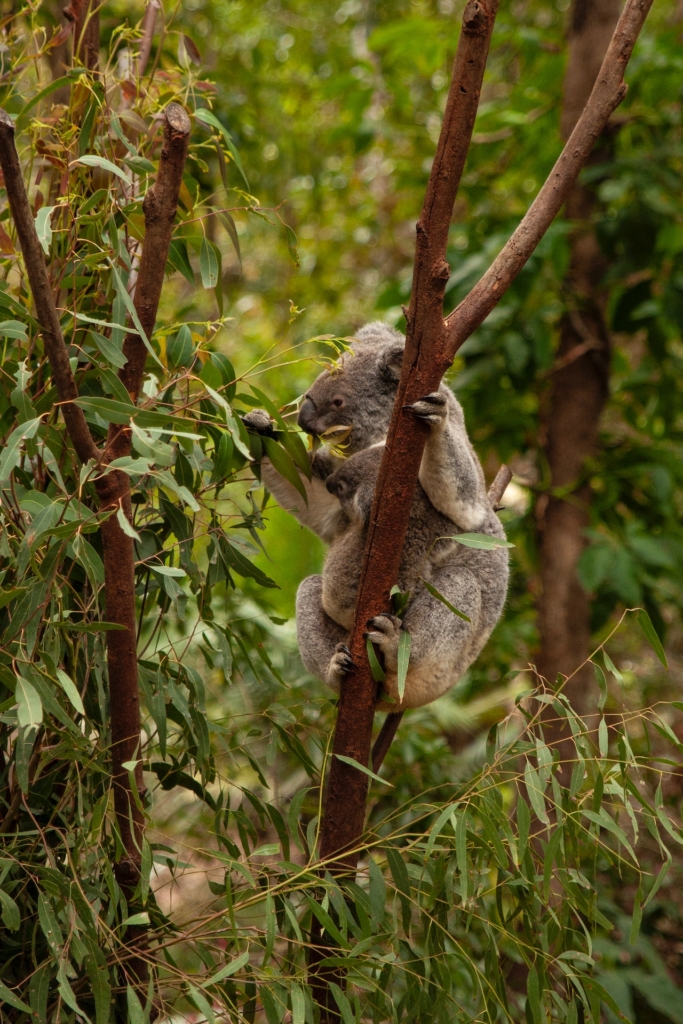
<point x="431" y="344"/>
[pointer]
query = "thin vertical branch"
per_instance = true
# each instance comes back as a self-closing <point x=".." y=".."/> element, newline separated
<point x="85" y="15"/>
<point x="148" y="25"/>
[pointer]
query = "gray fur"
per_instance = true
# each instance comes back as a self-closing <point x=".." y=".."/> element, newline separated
<point x="442" y="645"/>
<point x="359" y="393"/>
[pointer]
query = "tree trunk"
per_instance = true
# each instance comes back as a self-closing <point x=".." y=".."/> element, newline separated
<point x="578" y="392"/>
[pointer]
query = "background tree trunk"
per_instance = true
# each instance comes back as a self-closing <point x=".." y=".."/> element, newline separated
<point x="579" y="388"/>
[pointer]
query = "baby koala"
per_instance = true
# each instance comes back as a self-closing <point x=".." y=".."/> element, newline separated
<point x="443" y="645"/>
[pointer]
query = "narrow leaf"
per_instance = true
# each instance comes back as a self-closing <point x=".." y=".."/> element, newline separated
<point x="645" y="623"/>
<point x="403" y="661"/>
<point x="439" y="597"/>
<point x="366" y="771"/>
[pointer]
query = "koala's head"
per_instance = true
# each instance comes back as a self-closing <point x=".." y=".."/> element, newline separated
<point x="354" y="482"/>
<point x="359" y="391"/>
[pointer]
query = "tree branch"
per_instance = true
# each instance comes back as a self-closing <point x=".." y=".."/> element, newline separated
<point x="46" y="312"/>
<point x="607" y="94"/>
<point x="347" y="787"/>
<point x="431" y="344"/>
<point x="160" y="206"/>
<point x="85" y="15"/>
<point x="148" y="25"/>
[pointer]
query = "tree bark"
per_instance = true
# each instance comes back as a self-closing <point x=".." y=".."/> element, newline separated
<point x="113" y="489"/>
<point x="578" y="392"/>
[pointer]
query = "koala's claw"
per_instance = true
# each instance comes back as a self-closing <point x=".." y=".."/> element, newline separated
<point x="384" y="630"/>
<point x="342" y="660"/>
<point x="432" y="408"/>
<point x="259" y="422"/>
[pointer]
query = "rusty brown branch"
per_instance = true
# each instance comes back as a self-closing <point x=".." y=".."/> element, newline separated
<point x="160" y="206"/>
<point x="607" y="94"/>
<point x="347" y="787"/>
<point x="497" y="488"/>
<point x="46" y="312"/>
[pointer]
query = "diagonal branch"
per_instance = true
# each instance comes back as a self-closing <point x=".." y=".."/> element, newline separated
<point x="46" y="312"/>
<point x="607" y="94"/>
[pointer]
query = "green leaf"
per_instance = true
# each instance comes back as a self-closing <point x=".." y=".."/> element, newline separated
<point x="91" y="160"/>
<point x="439" y="597"/>
<point x="44" y="227"/>
<point x="111" y="351"/>
<point x="9" y="997"/>
<point x="292" y="244"/>
<point x="6" y="596"/>
<point x="202" y="1004"/>
<point x="125" y="525"/>
<point x="602" y="683"/>
<point x="13" y="329"/>
<point x="29" y="707"/>
<point x="11" y="452"/>
<point x="11" y="918"/>
<point x="378" y="894"/>
<point x="284" y="464"/>
<point x="611" y="667"/>
<point x="403" y="661"/>
<point x="481" y="541"/>
<point x="136" y="1015"/>
<point x="101" y="988"/>
<point x="209" y="118"/>
<point x="88" y="627"/>
<point x="378" y="673"/>
<point x="645" y="623"/>
<point x="208" y="264"/>
<point x="298" y="1004"/>
<point x="136" y="919"/>
<point x="226" y="972"/>
<point x="344" y="1005"/>
<point x="535" y="789"/>
<point x="122" y="291"/>
<point x="70" y="690"/>
<point x="366" y="771"/>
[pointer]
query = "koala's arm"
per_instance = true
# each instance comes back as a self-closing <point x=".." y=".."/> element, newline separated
<point x="322" y="511"/>
<point x="450" y="472"/>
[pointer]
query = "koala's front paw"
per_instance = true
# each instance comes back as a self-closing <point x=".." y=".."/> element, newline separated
<point x="385" y="631"/>
<point x="259" y="422"/>
<point x="433" y="409"/>
<point x="340" y="665"/>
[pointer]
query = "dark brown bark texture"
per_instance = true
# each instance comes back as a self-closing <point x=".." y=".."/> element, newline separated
<point x="431" y="344"/>
<point x="113" y="489"/>
<point x="578" y="392"/>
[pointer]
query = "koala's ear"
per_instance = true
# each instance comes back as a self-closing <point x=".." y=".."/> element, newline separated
<point x="391" y="361"/>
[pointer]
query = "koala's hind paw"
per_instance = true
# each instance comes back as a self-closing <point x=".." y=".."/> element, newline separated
<point x="341" y="664"/>
<point x="432" y="408"/>
<point x="259" y="421"/>
<point x="385" y="631"/>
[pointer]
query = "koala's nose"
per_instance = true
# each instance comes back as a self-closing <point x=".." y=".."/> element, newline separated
<point x="306" y="416"/>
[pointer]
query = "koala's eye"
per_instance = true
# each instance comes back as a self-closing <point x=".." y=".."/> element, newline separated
<point x="338" y="402"/>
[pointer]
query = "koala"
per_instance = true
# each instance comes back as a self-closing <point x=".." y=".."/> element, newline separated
<point x="442" y="644"/>
<point x="358" y="393"/>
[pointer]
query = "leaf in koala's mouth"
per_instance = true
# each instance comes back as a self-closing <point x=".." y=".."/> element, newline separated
<point x="336" y="435"/>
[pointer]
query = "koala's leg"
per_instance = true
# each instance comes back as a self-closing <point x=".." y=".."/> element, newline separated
<point x="450" y="473"/>
<point x="442" y="644"/>
<point x="322" y="641"/>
